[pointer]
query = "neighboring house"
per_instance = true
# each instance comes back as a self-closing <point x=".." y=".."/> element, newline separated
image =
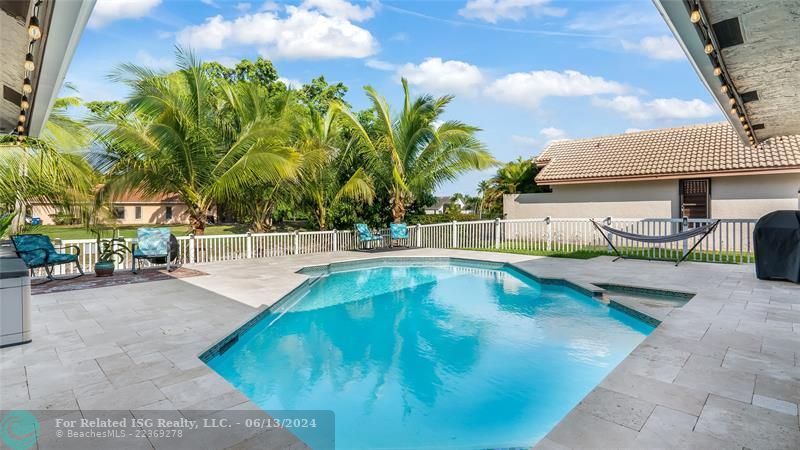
<point x="694" y="171"/>
<point x="131" y="209"/>
<point x="441" y="205"/>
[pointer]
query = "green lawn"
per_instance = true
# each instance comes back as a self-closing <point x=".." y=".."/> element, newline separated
<point x="630" y="253"/>
<point x="128" y="231"/>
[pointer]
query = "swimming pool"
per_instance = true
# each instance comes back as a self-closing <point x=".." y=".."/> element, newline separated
<point x="427" y="354"/>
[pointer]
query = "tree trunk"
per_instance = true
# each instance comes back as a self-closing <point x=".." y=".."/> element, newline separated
<point x="198" y="223"/>
<point x="398" y="208"/>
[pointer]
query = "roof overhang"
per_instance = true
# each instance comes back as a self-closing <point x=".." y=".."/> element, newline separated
<point x="62" y="23"/>
<point x="677" y="176"/>
<point x="757" y="45"/>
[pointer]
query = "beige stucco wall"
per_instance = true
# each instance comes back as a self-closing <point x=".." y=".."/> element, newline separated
<point x="629" y="199"/>
<point x="753" y="196"/>
<point x="746" y="197"/>
<point x="151" y="214"/>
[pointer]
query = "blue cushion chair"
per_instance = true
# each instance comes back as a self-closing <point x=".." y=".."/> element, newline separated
<point x="399" y="231"/>
<point x="152" y="244"/>
<point x="37" y="251"/>
<point x="365" y="236"/>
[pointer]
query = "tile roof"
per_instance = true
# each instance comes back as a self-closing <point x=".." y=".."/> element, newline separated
<point x="671" y="152"/>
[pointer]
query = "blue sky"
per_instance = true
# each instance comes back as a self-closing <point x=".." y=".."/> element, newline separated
<point x="524" y="71"/>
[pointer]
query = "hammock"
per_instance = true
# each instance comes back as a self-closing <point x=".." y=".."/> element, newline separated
<point x="702" y="231"/>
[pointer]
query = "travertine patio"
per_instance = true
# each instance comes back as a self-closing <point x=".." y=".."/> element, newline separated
<point x="721" y="372"/>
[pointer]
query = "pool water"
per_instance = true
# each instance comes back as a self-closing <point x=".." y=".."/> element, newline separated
<point x="438" y="356"/>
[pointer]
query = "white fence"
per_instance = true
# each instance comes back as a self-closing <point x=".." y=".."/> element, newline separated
<point x="731" y="241"/>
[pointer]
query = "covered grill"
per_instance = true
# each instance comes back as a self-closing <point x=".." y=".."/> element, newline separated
<point x="776" y="240"/>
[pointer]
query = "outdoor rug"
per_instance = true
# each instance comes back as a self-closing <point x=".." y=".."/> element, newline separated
<point x="90" y="281"/>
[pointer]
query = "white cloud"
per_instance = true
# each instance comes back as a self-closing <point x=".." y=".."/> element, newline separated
<point x="529" y="88"/>
<point x="304" y="32"/>
<point x="450" y="77"/>
<point x="493" y="11"/>
<point x="146" y="59"/>
<point x="107" y="11"/>
<point x="291" y="82"/>
<point x="546" y="136"/>
<point x="378" y="64"/>
<point x="656" y="47"/>
<point x="209" y="3"/>
<point x="553" y="134"/>
<point x="243" y="6"/>
<point x="659" y="108"/>
<point x="618" y="19"/>
<point x="341" y="9"/>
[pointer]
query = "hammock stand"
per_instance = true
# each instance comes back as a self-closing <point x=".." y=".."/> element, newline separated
<point x="703" y="231"/>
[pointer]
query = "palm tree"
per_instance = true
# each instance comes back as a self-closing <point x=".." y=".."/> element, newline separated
<point x="409" y="154"/>
<point x="51" y="168"/>
<point x="327" y="176"/>
<point x="175" y="135"/>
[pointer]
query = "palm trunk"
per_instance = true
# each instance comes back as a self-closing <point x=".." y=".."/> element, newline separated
<point x="198" y="223"/>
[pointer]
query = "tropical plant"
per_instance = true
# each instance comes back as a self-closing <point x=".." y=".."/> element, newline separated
<point x="111" y="249"/>
<point x="328" y="175"/>
<point x="178" y="134"/>
<point x="5" y="223"/>
<point x="514" y="177"/>
<point x="413" y="153"/>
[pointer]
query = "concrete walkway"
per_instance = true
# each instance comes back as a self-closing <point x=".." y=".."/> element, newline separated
<point x="720" y="372"/>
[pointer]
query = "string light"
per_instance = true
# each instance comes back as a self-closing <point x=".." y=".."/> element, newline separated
<point x="24" y="104"/>
<point x="27" y="88"/>
<point x="734" y="111"/>
<point x="731" y="101"/>
<point x="717" y="71"/>
<point x="709" y="48"/>
<point x="742" y="119"/>
<point x="22" y="116"/>
<point x="29" y="65"/>
<point x="695" y="16"/>
<point x="20" y="127"/>
<point x="724" y="88"/>
<point x="34" y="31"/>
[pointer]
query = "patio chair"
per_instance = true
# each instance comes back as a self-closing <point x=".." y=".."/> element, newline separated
<point x="365" y="236"/>
<point x="399" y="231"/>
<point x="37" y="251"/>
<point x="154" y="245"/>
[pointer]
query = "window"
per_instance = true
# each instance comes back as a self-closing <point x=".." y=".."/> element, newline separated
<point x="119" y="212"/>
<point x="138" y="212"/>
<point x="695" y="198"/>
<point x="168" y="213"/>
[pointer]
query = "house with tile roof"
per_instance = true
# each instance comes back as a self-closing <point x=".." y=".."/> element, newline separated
<point x="699" y="171"/>
<point x="131" y="208"/>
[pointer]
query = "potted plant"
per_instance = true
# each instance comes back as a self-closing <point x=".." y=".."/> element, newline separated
<point x="108" y="251"/>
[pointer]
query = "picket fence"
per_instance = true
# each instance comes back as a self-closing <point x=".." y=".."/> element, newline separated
<point x="731" y="242"/>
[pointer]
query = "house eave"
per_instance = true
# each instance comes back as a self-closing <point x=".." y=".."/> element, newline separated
<point x="675" y="176"/>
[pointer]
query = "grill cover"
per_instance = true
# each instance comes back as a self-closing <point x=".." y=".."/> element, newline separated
<point x="777" y="244"/>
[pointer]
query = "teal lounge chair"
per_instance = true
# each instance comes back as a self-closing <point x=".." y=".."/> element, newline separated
<point x="36" y="250"/>
<point x="152" y="244"/>
<point x="399" y="231"/>
<point x="365" y="236"/>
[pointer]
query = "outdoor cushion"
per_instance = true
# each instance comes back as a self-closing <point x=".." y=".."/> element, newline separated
<point x="37" y="250"/>
<point x="151" y="242"/>
<point x="364" y="234"/>
<point x="399" y="230"/>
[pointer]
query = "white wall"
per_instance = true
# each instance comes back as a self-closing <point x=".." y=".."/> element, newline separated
<point x="745" y="197"/>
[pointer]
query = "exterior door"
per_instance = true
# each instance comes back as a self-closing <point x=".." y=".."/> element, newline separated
<point x="695" y="198"/>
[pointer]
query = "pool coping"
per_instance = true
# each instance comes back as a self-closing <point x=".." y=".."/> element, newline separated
<point x="317" y="272"/>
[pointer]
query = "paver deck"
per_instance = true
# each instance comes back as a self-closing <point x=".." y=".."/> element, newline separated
<point x="720" y="372"/>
